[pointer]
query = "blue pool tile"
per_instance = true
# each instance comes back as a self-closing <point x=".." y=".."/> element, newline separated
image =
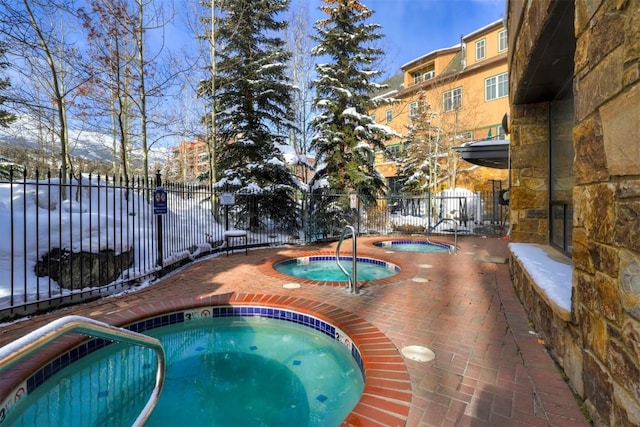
<point x="297" y="363"/>
<point x="253" y="348"/>
<point x="322" y="398"/>
<point x="103" y="393"/>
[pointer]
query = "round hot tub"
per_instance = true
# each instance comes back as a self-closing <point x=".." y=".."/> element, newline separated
<point x="324" y="268"/>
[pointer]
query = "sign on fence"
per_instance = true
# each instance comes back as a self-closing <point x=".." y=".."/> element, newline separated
<point x="159" y="202"/>
<point x="227" y="199"/>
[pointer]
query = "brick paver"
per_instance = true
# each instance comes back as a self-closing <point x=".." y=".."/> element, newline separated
<point x="489" y="370"/>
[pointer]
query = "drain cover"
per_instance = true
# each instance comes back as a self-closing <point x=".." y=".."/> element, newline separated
<point x="418" y="353"/>
<point x="291" y="285"/>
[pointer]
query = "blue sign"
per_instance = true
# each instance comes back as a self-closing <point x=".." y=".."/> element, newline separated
<point x="159" y="201"/>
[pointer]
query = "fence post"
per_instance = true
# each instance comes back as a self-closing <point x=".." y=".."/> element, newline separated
<point x="159" y="241"/>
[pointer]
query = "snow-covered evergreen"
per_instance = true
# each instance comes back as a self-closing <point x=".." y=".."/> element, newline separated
<point x="346" y="137"/>
<point x="253" y="104"/>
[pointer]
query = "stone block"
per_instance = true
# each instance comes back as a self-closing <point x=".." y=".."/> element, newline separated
<point x="597" y="90"/>
<point x="594" y="209"/>
<point x="598" y="389"/>
<point x="604" y="259"/>
<point x="627" y="226"/>
<point x="605" y="35"/>
<point x="631" y="33"/>
<point x="630" y="335"/>
<point x="624" y="369"/>
<point x="620" y="129"/>
<point x="581" y="254"/>
<point x="590" y="163"/>
<point x="608" y="299"/>
<point x="629" y="283"/>
<point x="594" y="333"/>
<point x="573" y="366"/>
<point x="628" y="189"/>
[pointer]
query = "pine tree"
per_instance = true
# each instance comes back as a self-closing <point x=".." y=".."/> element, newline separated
<point x="5" y="117"/>
<point x="346" y="136"/>
<point x="253" y="104"/>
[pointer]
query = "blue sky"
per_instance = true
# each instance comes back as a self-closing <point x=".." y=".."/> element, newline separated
<point x="413" y="28"/>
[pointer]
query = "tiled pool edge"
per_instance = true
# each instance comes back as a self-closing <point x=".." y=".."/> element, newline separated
<point x="406" y="270"/>
<point x="387" y="392"/>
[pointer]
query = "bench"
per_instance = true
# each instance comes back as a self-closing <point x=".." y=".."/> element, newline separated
<point x="229" y="237"/>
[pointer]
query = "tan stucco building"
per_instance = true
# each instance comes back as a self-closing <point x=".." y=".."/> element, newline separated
<point x="574" y="78"/>
<point x="461" y="91"/>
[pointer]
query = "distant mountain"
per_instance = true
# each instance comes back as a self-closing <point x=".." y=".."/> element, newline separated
<point x="24" y="133"/>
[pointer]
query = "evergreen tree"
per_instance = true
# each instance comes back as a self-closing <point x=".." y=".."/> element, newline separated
<point x="5" y="117"/>
<point x="346" y="137"/>
<point x="253" y="104"/>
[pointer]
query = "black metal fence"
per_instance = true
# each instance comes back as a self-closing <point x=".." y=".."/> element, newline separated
<point x="67" y="239"/>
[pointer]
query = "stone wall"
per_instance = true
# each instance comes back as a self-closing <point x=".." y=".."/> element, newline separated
<point x="606" y="255"/>
<point x="598" y="345"/>
<point x="529" y="173"/>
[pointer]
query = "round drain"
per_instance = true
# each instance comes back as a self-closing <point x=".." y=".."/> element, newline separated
<point x="419" y="280"/>
<point x="291" y="285"/>
<point x="425" y="266"/>
<point x="418" y="353"/>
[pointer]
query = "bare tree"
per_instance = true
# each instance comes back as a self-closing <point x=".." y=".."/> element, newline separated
<point x="301" y="65"/>
<point x="38" y="33"/>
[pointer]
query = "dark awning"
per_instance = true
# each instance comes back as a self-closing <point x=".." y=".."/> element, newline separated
<point x="491" y="153"/>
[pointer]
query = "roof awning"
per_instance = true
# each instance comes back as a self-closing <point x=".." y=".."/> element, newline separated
<point x="491" y="153"/>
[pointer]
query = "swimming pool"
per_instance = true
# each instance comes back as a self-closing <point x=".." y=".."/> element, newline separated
<point x="239" y="365"/>
<point x="325" y="268"/>
<point x="414" y="246"/>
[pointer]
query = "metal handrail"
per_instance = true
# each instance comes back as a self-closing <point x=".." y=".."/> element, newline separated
<point x="21" y="348"/>
<point x="352" y="279"/>
<point x="455" y="232"/>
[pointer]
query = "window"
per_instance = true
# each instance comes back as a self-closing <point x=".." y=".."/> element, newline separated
<point x="389" y="115"/>
<point x="429" y="75"/>
<point x="417" y="78"/>
<point x="413" y="109"/>
<point x="561" y="171"/>
<point x="480" y="49"/>
<point x="502" y="40"/>
<point x="452" y="99"/>
<point x="394" y="185"/>
<point x="373" y="118"/>
<point x="496" y="87"/>
<point x="393" y="151"/>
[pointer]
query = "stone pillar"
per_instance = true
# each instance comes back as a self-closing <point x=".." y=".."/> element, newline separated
<point x="529" y="186"/>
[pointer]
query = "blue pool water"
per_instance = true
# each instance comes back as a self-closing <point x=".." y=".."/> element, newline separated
<point x="325" y="268"/>
<point x="221" y="371"/>
<point x="413" y="246"/>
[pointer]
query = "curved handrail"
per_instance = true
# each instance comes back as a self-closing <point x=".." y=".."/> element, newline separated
<point x="455" y="232"/>
<point x="352" y="279"/>
<point x="21" y="348"/>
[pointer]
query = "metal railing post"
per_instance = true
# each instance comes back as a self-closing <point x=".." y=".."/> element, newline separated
<point x="21" y="348"/>
<point x="352" y="278"/>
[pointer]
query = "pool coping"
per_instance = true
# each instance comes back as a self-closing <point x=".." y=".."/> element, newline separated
<point x="266" y="267"/>
<point x="385" y="400"/>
